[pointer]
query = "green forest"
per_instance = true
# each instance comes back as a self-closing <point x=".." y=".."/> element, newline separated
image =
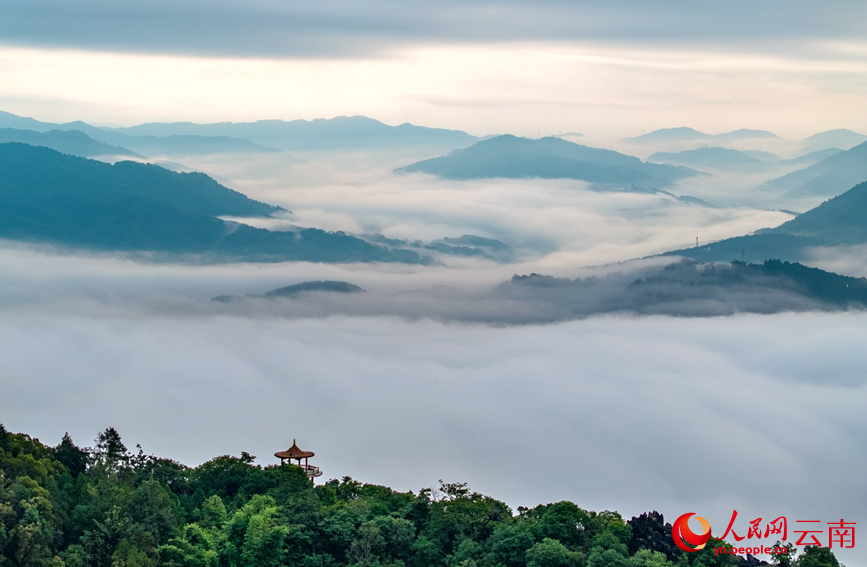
<point x="106" y="506"/>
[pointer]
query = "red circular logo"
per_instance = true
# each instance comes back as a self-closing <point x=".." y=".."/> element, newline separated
<point x="683" y="535"/>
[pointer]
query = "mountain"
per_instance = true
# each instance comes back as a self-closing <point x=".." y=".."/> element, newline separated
<point x="831" y="176"/>
<point x="712" y="158"/>
<point x="838" y="221"/>
<point x="106" y="503"/>
<point x="681" y="134"/>
<point x="46" y="196"/>
<point x="339" y="133"/>
<point x="329" y="286"/>
<point x="548" y="158"/>
<point x="295" y="290"/>
<point x="145" y="145"/>
<point x="684" y="134"/>
<point x="9" y="120"/>
<point x="690" y="288"/>
<point x="840" y="138"/>
<point x="815" y="157"/>
<point x="683" y="287"/>
<point x="744" y="133"/>
<point x="747" y="161"/>
<point x="70" y="142"/>
<point x="189" y="145"/>
<point x="766" y="157"/>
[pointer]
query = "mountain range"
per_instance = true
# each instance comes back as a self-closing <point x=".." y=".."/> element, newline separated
<point x="840" y="138"/>
<point x="547" y="158"/>
<point x="68" y="201"/>
<point x="354" y="133"/>
<point x="685" y="134"/>
<point x="680" y="288"/>
<point x="831" y="176"/>
<point x="72" y="142"/>
<point x="339" y="133"/>
<point x="838" y="221"/>
<point x="748" y="161"/>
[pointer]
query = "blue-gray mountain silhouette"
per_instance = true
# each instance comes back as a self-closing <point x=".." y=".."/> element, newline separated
<point x="735" y="160"/>
<point x="831" y="176"/>
<point x="840" y="138"/>
<point x="72" y="142"/>
<point x="145" y="145"/>
<point x="339" y="133"/>
<point x="713" y="158"/>
<point x="49" y="197"/>
<point x="548" y="158"/>
<point x="295" y="290"/>
<point x="685" y="134"/>
<point x="838" y="221"/>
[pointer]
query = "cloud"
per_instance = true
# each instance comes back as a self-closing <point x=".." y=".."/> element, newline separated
<point x="762" y="414"/>
<point x="554" y="224"/>
<point x="850" y="260"/>
<point x="349" y="29"/>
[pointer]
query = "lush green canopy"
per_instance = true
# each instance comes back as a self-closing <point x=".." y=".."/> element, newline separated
<point x="108" y="507"/>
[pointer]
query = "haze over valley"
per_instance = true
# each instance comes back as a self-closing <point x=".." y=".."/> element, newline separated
<point x="614" y="254"/>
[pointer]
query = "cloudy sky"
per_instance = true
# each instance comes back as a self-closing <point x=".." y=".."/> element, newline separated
<point x="603" y="68"/>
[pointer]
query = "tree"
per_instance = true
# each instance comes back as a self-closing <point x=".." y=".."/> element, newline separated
<point x="565" y="522"/>
<point x="648" y="558"/>
<point x="510" y="544"/>
<point x="815" y="556"/>
<point x="110" y="450"/>
<point x="366" y="546"/>
<point x="73" y="457"/>
<point x="551" y="553"/>
<point x="155" y="510"/>
<point x="786" y="558"/>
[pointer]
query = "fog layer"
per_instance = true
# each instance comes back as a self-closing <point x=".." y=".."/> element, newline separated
<point x="763" y="414"/>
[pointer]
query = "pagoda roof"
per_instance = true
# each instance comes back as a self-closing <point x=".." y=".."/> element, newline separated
<point x="294" y="452"/>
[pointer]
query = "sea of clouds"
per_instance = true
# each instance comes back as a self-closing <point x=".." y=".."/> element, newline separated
<point x="758" y="413"/>
<point x="762" y="414"/>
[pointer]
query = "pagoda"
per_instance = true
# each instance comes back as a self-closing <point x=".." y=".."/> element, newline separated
<point x="295" y="452"/>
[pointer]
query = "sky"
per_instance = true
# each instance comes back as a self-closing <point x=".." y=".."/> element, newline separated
<point x="607" y="69"/>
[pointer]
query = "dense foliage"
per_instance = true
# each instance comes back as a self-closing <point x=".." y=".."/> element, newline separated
<point x="107" y="507"/>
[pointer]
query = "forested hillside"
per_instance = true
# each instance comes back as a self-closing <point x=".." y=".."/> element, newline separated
<point x="67" y="201"/>
<point x="108" y="507"/>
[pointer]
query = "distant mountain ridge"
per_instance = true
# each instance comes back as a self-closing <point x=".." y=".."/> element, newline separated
<point x="831" y="176"/>
<point x="72" y="142"/>
<point x="295" y="290"/>
<point x="714" y="158"/>
<point x="146" y="145"/>
<point x="840" y="138"/>
<point x="685" y="134"/>
<point x="339" y="133"/>
<point x="547" y="158"/>
<point x="836" y="222"/>
<point x="689" y="288"/>
<point x="49" y="197"/>
<point x="736" y="160"/>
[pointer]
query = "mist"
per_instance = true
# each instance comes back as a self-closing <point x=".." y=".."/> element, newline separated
<point x="762" y="414"/>
<point x="553" y="223"/>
